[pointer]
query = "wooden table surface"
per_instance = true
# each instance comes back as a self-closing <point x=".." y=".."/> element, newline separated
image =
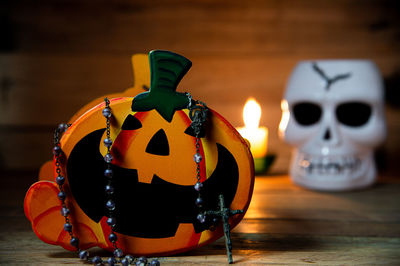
<point x="285" y="225"/>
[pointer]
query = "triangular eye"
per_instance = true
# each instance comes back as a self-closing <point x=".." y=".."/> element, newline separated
<point x="190" y="132"/>
<point x="131" y="123"/>
<point x="158" y="144"/>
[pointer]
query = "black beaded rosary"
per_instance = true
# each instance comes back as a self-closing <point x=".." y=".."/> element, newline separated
<point x="163" y="98"/>
<point x="198" y="114"/>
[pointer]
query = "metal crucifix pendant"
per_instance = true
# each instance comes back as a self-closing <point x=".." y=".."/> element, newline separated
<point x="224" y="213"/>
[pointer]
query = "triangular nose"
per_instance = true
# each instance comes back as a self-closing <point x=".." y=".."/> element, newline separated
<point x="158" y="144"/>
<point x="327" y="135"/>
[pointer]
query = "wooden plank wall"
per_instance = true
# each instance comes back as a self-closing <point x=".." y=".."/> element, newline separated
<point x="55" y="56"/>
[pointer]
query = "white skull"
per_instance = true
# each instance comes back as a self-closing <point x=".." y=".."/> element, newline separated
<point x="333" y="113"/>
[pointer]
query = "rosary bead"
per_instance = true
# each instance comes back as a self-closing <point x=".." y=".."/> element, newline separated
<point x="108" y="158"/>
<point x="198" y="186"/>
<point x="109" y="189"/>
<point x="64" y="211"/>
<point x="96" y="260"/>
<point x="57" y="150"/>
<point x="143" y="260"/>
<point x="107" y="112"/>
<point x="129" y="258"/>
<point x="111" y="261"/>
<point x="111" y="221"/>
<point x="197" y="157"/>
<point x="74" y="242"/>
<point x="60" y="180"/>
<point x="112" y="237"/>
<point x="214" y="224"/>
<point x="61" y="195"/>
<point x="62" y="127"/>
<point x="118" y="253"/>
<point x="155" y="262"/>
<point x="108" y="173"/>
<point x="199" y="202"/>
<point x="68" y="227"/>
<point x="201" y="217"/>
<point x="83" y="255"/>
<point x="110" y="205"/>
<point x="125" y="262"/>
<point x="107" y="142"/>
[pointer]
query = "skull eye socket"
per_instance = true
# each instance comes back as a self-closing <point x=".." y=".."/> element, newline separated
<point x="307" y="113"/>
<point x="353" y="114"/>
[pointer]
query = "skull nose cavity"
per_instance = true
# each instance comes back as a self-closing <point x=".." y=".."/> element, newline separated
<point x="330" y="137"/>
<point x="158" y="145"/>
<point x="327" y="135"/>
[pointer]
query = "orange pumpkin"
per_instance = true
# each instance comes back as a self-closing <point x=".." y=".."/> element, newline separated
<point x="141" y="76"/>
<point x="154" y="175"/>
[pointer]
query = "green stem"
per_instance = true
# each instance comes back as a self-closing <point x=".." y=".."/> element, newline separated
<point x="167" y="69"/>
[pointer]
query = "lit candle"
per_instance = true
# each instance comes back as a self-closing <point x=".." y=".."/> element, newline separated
<point x="257" y="136"/>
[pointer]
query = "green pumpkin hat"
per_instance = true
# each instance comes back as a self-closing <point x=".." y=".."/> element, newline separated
<point x="167" y="69"/>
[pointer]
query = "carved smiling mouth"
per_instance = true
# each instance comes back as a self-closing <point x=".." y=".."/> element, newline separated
<point x="329" y="166"/>
<point x="144" y="210"/>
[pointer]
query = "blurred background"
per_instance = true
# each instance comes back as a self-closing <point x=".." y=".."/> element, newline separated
<point x="56" y="56"/>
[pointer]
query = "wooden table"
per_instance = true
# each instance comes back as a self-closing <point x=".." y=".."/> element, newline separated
<point x="285" y="225"/>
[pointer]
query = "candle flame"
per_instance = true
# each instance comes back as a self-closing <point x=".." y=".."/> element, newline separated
<point x="285" y="118"/>
<point x="251" y="114"/>
<point x="257" y="137"/>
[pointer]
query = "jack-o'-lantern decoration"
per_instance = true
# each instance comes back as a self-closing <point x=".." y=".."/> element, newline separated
<point x="141" y="78"/>
<point x="154" y="172"/>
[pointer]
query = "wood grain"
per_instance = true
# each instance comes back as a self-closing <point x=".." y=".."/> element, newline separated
<point x="207" y="27"/>
<point x="285" y="225"/>
<point x="57" y="56"/>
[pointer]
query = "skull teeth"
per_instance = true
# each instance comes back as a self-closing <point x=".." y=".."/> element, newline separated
<point x="330" y="166"/>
